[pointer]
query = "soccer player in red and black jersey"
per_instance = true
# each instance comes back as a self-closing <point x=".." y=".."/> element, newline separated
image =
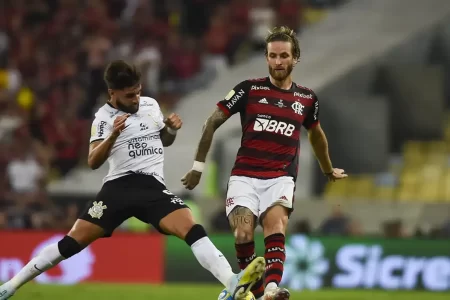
<point x="262" y="183"/>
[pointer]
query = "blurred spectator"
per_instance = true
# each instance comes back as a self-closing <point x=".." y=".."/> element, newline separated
<point x="354" y="228"/>
<point x="446" y="230"/>
<point x="25" y="173"/>
<point x="262" y="18"/>
<point x="336" y="224"/>
<point x="148" y="59"/>
<point x="290" y="14"/>
<point x="303" y="227"/>
<point x="217" y="39"/>
<point x="393" y="229"/>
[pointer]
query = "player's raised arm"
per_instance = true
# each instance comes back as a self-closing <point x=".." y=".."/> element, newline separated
<point x="192" y="178"/>
<point x="100" y="147"/>
<point x="169" y="132"/>
<point x="233" y="102"/>
<point x="214" y="121"/>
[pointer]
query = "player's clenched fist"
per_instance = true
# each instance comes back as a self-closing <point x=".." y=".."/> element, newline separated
<point x="191" y="179"/>
<point x="173" y="121"/>
<point x="119" y="125"/>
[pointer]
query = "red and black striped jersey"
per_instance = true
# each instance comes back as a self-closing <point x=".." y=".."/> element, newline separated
<point x="271" y="120"/>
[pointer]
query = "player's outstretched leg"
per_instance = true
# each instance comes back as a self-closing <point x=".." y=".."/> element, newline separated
<point x="274" y="223"/>
<point x="81" y="235"/>
<point x="181" y="224"/>
<point x="243" y="223"/>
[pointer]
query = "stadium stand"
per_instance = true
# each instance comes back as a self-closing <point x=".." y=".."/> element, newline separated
<point x="51" y="82"/>
<point x="52" y="54"/>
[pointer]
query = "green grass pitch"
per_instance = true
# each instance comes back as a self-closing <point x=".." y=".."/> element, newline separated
<point x="193" y="292"/>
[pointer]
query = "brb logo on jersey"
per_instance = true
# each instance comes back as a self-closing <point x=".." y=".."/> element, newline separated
<point x="263" y="124"/>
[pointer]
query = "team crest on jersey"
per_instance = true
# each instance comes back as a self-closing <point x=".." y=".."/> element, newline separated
<point x="298" y="107"/>
<point x="96" y="211"/>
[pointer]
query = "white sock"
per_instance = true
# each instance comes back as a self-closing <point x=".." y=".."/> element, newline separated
<point x="47" y="258"/>
<point x="271" y="286"/>
<point x="213" y="260"/>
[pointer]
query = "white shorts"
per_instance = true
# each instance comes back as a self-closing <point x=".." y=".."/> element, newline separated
<point x="259" y="194"/>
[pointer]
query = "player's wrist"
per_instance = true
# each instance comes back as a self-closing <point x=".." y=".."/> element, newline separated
<point x="172" y="131"/>
<point x="198" y="166"/>
<point x="328" y="172"/>
<point x="114" y="135"/>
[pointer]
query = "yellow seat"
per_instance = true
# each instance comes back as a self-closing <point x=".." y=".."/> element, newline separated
<point x="447" y="134"/>
<point x="445" y="186"/>
<point x="431" y="173"/>
<point x="428" y="192"/>
<point x="406" y="192"/>
<point x="362" y="187"/>
<point x="314" y="15"/>
<point x="335" y="190"/>
<point x="384" y="193"/>
<point x="409" y="177"/>
<point x="435" y="147"/>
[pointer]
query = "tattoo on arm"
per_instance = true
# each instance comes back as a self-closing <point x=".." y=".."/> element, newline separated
<point x="241" y="217"/>
<point x="212" y="123"/>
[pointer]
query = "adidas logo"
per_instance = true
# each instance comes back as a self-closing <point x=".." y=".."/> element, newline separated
<point x="263" y="101"/>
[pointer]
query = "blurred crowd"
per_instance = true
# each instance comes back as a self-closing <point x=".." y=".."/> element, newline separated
<point x="52" y="56"/>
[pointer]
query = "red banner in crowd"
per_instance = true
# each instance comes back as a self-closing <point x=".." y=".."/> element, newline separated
<point x="132" y="258"/>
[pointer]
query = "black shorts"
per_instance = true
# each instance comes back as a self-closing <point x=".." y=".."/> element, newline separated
<point x="135" y="195"/>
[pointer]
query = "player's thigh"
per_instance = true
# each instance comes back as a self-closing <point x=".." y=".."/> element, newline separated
<point x="165" y="211"/>
<point x="177" y="223"/>
<point x="85" y="232"/>
<point x="110" y="208"/>
<point x="276" y="192"/>
<point x="241" y="193"/>
<point x="242" y="208"/>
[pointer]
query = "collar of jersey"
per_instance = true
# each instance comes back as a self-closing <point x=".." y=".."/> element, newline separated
<point x="281" y="90"/>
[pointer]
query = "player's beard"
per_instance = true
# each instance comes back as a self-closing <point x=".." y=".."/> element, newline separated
<point x="129" y="109"/>
<point x="280" y="75"/>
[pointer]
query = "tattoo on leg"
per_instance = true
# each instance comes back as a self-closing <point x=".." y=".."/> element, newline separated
<point x="241" y="216"/>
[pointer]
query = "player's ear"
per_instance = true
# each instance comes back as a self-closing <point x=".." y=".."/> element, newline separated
<point x="110" y="93"/>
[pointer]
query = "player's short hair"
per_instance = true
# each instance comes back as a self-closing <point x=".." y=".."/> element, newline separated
<point x="284" y="34"/>
<point x="120" y="75"/>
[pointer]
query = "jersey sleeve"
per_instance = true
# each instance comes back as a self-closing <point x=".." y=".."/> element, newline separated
<point x="312" y="119"/>
<point x="235" y="100"/>
<point x="100" y="130"/>
<point x="159" y="117"/>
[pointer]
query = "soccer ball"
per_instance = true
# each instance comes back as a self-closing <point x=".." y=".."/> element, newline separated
<point x="224" y="295"/>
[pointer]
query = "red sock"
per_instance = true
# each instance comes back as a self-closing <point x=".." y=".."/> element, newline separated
<point x="245" y="254"/>
<point x="275" y="256"/>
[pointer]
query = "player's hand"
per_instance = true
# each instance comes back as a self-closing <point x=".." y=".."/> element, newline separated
<point x="336" y="174"/>
<point x="173" y="121"/>
<point x="191" y="179"/>
<point x="119" y="125"/>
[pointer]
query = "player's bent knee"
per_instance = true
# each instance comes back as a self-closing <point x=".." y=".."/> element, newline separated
<point x="243" y="235"/>
<point x="68" y="247"/>
<point x="275" y="220"/>
<point x="195" y="233"/>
